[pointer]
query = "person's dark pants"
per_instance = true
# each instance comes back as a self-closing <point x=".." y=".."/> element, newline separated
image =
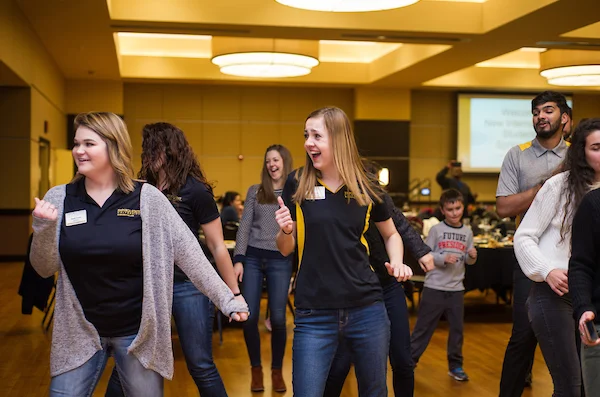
<point x="433" y="304"/>
<point x="553" y="324"/>
<point x="400" y="359"/>
<point x="518" y="358"/>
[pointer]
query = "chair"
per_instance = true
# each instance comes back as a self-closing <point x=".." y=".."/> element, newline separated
<point x="230" y="230"/>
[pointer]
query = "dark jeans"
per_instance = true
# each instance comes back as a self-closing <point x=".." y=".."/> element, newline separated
<point x="520" y="351"/>
<point x="278" y="273"/>
<point x="553" y="324"/>
<point x="365" y="331"/>
<point x="194" y="314"/>
<point x="400" y="359"/>
<point x="433" y="304"/>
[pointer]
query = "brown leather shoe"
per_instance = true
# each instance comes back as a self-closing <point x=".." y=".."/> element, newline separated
<point x="277" y="380"/>
<point x="257" y="380"/>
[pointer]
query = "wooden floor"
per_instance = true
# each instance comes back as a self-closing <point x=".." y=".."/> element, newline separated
<point x="25" y="349"/>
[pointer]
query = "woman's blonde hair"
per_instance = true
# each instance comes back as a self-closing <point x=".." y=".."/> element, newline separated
<point x="345" y="157"/>
<point x="113" y="131"/>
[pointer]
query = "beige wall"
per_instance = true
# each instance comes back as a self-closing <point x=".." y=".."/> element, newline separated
<point x="94" y="96"/>
<point x="223" y="122"/>
<point x="24" y="111"/>
<point x="382" y="103"/>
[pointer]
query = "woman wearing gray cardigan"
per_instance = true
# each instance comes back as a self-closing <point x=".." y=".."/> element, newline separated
<point x="113" y="242"/>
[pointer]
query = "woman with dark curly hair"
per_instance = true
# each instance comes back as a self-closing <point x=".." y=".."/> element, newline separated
<point x="542" y="247"/>
<point x="169" y="163"/>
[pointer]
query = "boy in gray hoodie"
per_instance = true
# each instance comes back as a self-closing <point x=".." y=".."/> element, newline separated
<point x="452" y="247"/>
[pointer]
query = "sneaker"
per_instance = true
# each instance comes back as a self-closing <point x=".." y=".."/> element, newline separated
<point x="458" y="374"/>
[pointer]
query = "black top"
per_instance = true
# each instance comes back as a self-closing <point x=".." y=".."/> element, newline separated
<point x="334" y="270"/>
<point x="411" y="239"/>
<point x="229" y="214"/>
<point x="584" y="265"/>
<point x="101" y="249"/>
<point x="196" y="206"/>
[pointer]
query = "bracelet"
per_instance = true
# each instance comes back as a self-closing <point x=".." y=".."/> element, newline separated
<point x="287" y="233"/>
<point x="238" y="294"/>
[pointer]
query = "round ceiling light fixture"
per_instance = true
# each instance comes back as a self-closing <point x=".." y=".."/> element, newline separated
<point x="347" y="5"/>
<point x="576" y="76"/>
<point x="264" y="58"/>
<point x="574" y="68"/>
<point x="265" y="64"/>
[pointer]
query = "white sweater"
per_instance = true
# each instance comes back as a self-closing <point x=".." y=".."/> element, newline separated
<point x="538" y="244"/>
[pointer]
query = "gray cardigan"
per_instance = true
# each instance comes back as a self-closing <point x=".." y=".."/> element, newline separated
<point x="166" y="240"/>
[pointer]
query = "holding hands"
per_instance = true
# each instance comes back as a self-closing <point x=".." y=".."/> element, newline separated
<point x="284" y="218"/>
<point x="400" y="272"/>
<point x="45" y="210"/>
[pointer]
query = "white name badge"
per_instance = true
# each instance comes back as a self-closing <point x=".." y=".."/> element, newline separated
<point x="319" y="193"/>
<point x="76" y="218"/>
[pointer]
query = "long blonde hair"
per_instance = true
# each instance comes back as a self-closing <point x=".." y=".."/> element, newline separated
<point x="113" y="131"/>
<point x="345" y="157"/>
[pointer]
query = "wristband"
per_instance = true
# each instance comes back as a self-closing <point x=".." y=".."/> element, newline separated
<point x="238" y="294"/>
<point x="287" y="233"/>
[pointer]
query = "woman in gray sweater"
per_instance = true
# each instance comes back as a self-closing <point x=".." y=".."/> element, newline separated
<point x="113" y="241"/>
<point x="256" y="256"/>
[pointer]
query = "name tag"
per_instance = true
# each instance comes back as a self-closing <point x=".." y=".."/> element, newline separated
<point x="76" y="218"/>
<point x="318" y="193"/>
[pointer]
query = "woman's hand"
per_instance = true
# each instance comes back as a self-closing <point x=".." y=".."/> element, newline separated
<point x="284" y="218"/>
<point x="45" y="210"/>
<point x="558" y="280"/>
<point x="585" y="335"/>
<point x="239" y="316"/>
<point x="400" y="272"/>
<point x="238" y="270"/>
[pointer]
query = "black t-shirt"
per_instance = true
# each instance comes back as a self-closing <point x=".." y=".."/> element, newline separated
<point x="196" y="206"/>
<point x="101" y="249"/>
<point x="334" y="270"/>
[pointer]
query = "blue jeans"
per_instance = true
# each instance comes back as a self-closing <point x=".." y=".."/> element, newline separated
<point x="400" y="358"/>
<point x="194" y="314"/>
<point x="81" y="381"/>
<point x="552" y="322"/>
<point x="364" y="330"/>
<point x="278" y="273"/>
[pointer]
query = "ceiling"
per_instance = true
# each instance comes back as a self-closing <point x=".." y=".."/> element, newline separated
<point x="471" y="44"/>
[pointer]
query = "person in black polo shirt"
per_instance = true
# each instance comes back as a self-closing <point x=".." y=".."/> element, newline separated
<point x="169" y="163"/>
<point x="113" y="242"/>
<point x="326" y="208"/>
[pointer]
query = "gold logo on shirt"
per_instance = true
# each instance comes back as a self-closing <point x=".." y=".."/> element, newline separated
<point x="127" y="212"/>
<point x="349" y="195"/>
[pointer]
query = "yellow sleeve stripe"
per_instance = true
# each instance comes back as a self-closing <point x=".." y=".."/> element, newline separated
<point x="300" y="233"/>
<point x="525" y="145"/>
<point x="363" y="240"/>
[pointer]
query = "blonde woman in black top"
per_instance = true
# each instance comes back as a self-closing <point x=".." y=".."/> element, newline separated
<point x="326" y="208"/>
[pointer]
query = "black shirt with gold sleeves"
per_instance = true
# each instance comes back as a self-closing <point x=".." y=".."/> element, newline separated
<point x="334" y="270"/>
<point x="101" y="249"/>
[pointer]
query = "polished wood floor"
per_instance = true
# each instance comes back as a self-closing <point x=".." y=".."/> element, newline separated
<point x="25" y="349"/>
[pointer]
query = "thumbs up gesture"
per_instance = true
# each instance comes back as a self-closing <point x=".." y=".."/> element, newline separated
<point x="283" y="217"/>
<point x="44" y="210"/>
